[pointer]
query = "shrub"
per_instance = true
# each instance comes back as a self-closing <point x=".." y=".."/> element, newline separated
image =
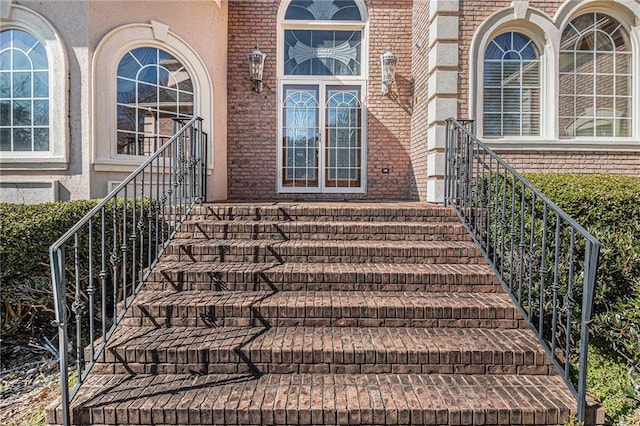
<point x="609" y="207"/>
<point x="27" y="233"/>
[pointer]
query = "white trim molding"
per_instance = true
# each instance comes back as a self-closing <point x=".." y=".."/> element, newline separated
<point x="57" y="157"/>
<point x="442" y="88"/>
<point x="106" y="58"/>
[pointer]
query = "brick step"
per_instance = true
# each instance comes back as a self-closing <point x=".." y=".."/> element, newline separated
<point x="300" y="251"/>
<point x="318" y="399"/>
<point x="282" y="230"/>
<point x="320" y="308"/>
<point x="322" y="277"/>
<point x="331" y="212"/>
<point x="206" y="350"/>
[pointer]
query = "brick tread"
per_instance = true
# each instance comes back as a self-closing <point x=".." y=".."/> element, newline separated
<point x="323" y="230"/>
<point x="337" y="308"/>
<point x="323" y="276"/>
<point x="330" y="399"/>
<point x="324" y="349"/>
<point x="322" y="314"/>
<point x="318" y="211"/>
<point x="260" y="251"/>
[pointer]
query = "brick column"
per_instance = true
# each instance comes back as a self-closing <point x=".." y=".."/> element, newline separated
<point x="442" y="89"/>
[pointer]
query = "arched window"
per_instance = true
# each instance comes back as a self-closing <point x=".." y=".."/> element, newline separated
<point x="322" y="70"/>
<point x="153" y="89"/>
<point x="24" y="93"/>
<point x="511" y="87"/>
<point x="595" y="78"/>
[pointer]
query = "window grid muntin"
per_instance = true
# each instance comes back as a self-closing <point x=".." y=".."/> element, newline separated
<point x="36" y="135"/>
<point x="343" y="99"/>
<point x="147" y="136"/>
<point x="573" y="115"/>
<point x="519" y="64"/>
<point x="300" y="102"/>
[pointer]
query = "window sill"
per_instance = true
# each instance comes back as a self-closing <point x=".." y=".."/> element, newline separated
<point x="574" y="145"/>
<point x="32" y="162"/>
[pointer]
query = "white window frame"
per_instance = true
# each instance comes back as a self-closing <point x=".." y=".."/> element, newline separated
<point x="106" y="59"/>
<point x="322" y="81"/>
<point x="57" y="157"/>
<point x="546" y="32"/>
<point x="502" y="62"/>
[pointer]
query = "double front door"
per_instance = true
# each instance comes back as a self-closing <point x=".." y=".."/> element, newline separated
<point x="321" y="147"/>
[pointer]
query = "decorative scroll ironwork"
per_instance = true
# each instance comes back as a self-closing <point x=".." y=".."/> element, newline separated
<point x="117" y="244"/>
<point x="545" y="260"/>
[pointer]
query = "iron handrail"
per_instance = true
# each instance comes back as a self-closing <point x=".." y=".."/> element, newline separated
<point x="543" y="257"/>
<point x="112" y="250"/>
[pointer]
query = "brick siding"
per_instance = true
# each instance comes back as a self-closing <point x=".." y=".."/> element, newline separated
<point x="620" y="163"/>
<point x="397" y="124"/>
<point x="419" y="119"/>
<point x="252" y="117"/>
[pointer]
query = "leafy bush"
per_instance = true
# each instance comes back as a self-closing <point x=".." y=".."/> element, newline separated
<point x="27" y="233"/>
<point x="609" y="207"/>
<point x="29" y="230"/>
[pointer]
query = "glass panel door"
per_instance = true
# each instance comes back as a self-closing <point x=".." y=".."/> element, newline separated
<point x="300" y="137"/>
<point x="343" y="130"/>
<point x="322" y="143"/>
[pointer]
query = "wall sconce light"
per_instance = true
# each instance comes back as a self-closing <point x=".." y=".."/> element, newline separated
<point x="389" y="62"/>
<point x="256" y="66"/>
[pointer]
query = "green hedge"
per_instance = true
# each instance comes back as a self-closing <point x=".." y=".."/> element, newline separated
<point x="609" y="207"/>
<point x="27" y="233"/>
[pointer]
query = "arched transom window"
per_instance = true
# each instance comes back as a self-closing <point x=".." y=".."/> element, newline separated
<point x="595" y="78"/>
<point x="154" y="88"/>
<point x="24" y="93"/>
<point x="511" y="87"/>
<point x="321" y="85"/>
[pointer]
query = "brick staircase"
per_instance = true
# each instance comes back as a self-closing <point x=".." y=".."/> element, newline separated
<point x="322" y="314"/>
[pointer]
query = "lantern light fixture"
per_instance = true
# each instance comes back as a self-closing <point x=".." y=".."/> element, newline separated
<point x="256" y="66"/>
<point x="389" y="62"/>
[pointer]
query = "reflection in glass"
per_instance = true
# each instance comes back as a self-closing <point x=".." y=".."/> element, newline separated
<point x="343" y="130"/>
<point x="153" y="89"/>
<point x="323" y="10"/>
<point x="595" y="78"/>
<point x="320" y="52"/>
<point x="300" y="136"/>
<point x="24" y="93"/>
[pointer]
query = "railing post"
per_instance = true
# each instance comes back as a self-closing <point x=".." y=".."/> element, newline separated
<point x="59" y="293"/>
<point x="200" y="162"/>
<point x="590" y="272"/>
<point x="447" y="166"/>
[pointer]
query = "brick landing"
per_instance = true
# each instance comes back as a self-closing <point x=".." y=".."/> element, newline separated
<point x="322" y="314"/>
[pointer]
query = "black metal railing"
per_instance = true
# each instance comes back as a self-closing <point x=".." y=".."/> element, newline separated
<point x="100" y="264"/>
<point x="545" y="260"/>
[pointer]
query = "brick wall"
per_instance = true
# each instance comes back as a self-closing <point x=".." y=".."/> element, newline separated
<point x="252" y="117"/>
<point x="621" y="163"/>
<point x="419" y="119"/>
